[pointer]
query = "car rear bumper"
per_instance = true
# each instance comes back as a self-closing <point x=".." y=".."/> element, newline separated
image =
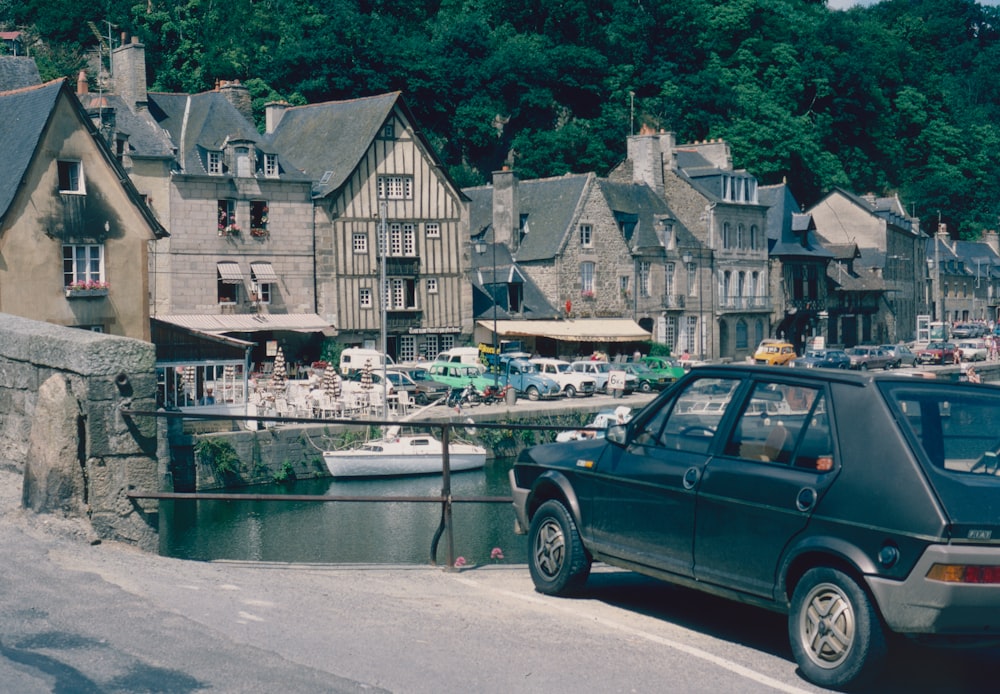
<point x="920" y="605"/>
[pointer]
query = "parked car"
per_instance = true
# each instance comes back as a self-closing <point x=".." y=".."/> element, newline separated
<point x="668" y="366"/>
<point x="902" y="354"/>
<point x="972" y="350"/>
<point x="774" y="352"/>
<point x="967" y="330"/>
<point x="822" y="359"/>
<point x="458" y="375"/>
<point x="572" y="383"/>
<point x="864" y="358"/>
<point x="600" y="371"/>
<point x="646" y="378"/>
<point x="423" y="391"/>
<point x="787" y="511"/>
<point x="525" y="378"/>
<point x="937" y="353"/>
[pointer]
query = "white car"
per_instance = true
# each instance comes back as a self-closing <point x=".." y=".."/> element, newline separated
<point x="973" y="350"/>
<point x="601" y="371"/>
<point x="571" y="383"/>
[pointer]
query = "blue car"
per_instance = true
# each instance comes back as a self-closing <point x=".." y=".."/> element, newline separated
<point x="822" y="359"/>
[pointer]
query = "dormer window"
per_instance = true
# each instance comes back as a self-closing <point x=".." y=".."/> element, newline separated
<point x="270" y="165"/>
<point x="242" y="157"/>
<point x="215" y="163"/>
<point x="395" y="187"/>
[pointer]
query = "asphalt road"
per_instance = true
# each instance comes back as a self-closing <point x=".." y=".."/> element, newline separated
<point x="81" y="617"/>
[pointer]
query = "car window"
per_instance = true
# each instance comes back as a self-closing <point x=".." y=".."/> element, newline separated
<point x="957" y="429"/>
<point x="783" y="423"/>
<point x="689" y="421"/>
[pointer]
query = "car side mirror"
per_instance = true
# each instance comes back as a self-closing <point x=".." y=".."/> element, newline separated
<point x="617" y="434"/>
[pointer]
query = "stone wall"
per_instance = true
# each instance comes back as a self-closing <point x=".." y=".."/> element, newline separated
<point x="62" y="391"/>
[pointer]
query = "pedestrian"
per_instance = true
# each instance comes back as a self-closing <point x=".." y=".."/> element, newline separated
<point x="973" y="375"/>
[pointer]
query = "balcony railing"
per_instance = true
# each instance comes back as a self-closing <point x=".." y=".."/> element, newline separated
<point x="399" y="319"/>
<point x="673" y="300"/>
<point x="745" y="303"/>
<point x="807" y="304"/>
<point x="407" y="267"/>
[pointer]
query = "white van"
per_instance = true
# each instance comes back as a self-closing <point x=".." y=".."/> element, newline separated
<point x="462" y="355"/>
<point x="353" y="359"/>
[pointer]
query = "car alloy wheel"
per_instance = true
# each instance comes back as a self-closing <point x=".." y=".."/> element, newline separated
<point x="558" y="563"/>
<point x="836" y="635"/>
<point x="570" y="392"/>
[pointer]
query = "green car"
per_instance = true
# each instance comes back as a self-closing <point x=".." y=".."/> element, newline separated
<point x="648" y="379"/>
<point x="458" y="375"/>
<point x="668" y="366"/>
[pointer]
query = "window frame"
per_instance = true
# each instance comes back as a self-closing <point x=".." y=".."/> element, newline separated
<point x="586" y="235"/>
<point x="69" y="174"/>
<point x="432" y="285"/>
<point x="359" y="242"/>
<point x="214" y="163"/>
<point x="432" y="230"/>
<point x="271" y="169"/>
<point x="395" y="187"/>
<point x="74" y="274"/>
<point x="365" y="299"/>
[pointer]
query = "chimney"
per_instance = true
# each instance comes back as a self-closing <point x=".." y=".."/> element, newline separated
<point x="645" y="151"/>
<point x="506" y="208"/>
<point x="238" y="96"/>
<point x="128" y="66"/>
<point x="81" y="83"/>
<point x="273" y="112"/>
<point x="992" y="240"/>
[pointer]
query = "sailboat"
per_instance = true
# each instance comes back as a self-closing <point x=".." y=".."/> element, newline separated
<point x="396" y="454"/>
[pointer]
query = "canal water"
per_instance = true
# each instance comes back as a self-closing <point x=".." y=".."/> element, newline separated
<point x="348" y="532"/>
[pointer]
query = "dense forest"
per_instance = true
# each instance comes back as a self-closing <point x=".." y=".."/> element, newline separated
<point x="900" y="97"/>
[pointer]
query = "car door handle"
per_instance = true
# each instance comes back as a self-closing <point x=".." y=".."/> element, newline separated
<point x="806" y="499"/>
<point x="691" y="477"/>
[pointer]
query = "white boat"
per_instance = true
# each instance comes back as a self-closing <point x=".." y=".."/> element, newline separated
<point x="598" y="427"/>
<point x="398" y="454"/>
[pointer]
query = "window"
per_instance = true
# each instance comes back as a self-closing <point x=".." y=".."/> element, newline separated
<point x="395" y="187"/>
<point x="360" y="242"/>
<point x="409" y="240"/>
<point x="271" y="165"/>
<point x="389" y="131"/>
<point x="670" y="332"/>
<point x="690" y="333"/>
<point x="242" y="155"/>
<point x="262" y="277"/>
<point x="70" y="176"/>
<point x="742" y="336"/>
<point x="693" y="417"/>
<point x="753" y="237"/>
<point x="801" y="437"/>
<point x="726" y="233"/>
<point x="402" y="294"/>
<point x="623" y="287"/>
<point x="587" y="278"/>
<point x="692" y="279"/>
<point x="228" y="282"/>
<point x="365" y="297"/>
<point x="83" y="266"/>
<point x="739" y="236"/>
<point x="227" y="218"/>
<point x="262" y="292"/>
<point x="644" y="277"/>
<point x="447" y="342"/>
<point x="258" y="218"/>
<point x="586" y="236"/>
<point x="432" y="285"/>
<point x="215" y="163"/>
<point x="430" y="346"/>
<point x="433" y="230"/>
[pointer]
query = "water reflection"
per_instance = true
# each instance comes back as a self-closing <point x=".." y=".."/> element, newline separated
<point x="351" y="532"/>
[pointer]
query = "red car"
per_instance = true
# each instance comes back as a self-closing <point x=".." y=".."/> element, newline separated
<point x="937" y="353"/>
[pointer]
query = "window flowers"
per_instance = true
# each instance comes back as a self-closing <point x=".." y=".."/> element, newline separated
<point x="87" y="288"/>
<point x="587" y="293"/>
<point x="258" y="218"/>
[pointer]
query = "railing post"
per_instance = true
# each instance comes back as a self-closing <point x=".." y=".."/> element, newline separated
<point x="446" y="492"/>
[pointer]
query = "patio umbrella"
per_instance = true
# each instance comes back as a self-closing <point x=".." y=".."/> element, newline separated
<point x="366" y="375"/>
<point x="331" y="382"/>
<point x="187" y="382"/>
<point x="278" y="374"/>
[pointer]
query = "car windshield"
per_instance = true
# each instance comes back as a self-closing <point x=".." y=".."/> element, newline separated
<point x="816" y="355"/>
<point x="563" y="368"/>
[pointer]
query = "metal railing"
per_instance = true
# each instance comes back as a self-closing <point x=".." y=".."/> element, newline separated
<point x="445" y="528"/>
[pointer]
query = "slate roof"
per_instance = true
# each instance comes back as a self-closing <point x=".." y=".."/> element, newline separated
<point x="206" y="121"/>
<point x="24" y="114"/>
<point x="550" y="205"/>
<point x="534" y="304"/>
<point x="854" y="280"/>
<point x="18" y="72"/>
<point x="145" y="138"/>
<point x="647" y="209"/>
<point x="703" y="175"/>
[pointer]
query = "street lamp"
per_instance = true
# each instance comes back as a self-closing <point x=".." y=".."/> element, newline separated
<point x="480" y="249"/>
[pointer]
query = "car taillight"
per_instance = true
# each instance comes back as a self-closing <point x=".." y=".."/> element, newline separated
<point x="964" y="573"/>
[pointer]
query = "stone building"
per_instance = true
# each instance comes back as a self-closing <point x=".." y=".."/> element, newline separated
<point x="963" y="277"/>
<point x="73" y="228"/>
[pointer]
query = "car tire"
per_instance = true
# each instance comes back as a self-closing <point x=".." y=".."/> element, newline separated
<point x="570" y="391"/>
<point x="533" y="393"/>
<point x="837" y="637"/>
<point x="645" y="387"/>
<point x="558" y="562"/>
<point x="863" y="367"/>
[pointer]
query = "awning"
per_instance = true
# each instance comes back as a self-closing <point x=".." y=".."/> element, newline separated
<point x="575" y="330"/>
<point x="251" y="322"/>
<point x="230" y="272"/>
<point x="263" y="272"/>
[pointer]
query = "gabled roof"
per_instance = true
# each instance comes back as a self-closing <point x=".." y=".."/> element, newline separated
<point x="858" y="280"/>
<point x="534" y="304"/>
<point x="17" y="72"/>
<point x="145" y="138"/>
<point x="548" y="206"/>
<point x="207" y="121"/>
<point x="24" y="113"/>
<point x="24" y="116"/>
<point x="642" y="210"/>
<point x="331" y="136"/>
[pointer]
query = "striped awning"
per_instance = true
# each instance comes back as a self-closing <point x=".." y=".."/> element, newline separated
<point x="230" y="273"/>
<point x="263" y="272"/>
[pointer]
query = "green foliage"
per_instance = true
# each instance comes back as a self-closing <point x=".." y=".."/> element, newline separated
<point x="902" y="96"/>
<point x="331" y="352"/>
<point x="286" y="473"/>
<point x="220" y="454"/>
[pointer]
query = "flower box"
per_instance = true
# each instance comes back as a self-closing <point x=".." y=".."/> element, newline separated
<point x="85" y="293"/>
<point x="258" y="232"/>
